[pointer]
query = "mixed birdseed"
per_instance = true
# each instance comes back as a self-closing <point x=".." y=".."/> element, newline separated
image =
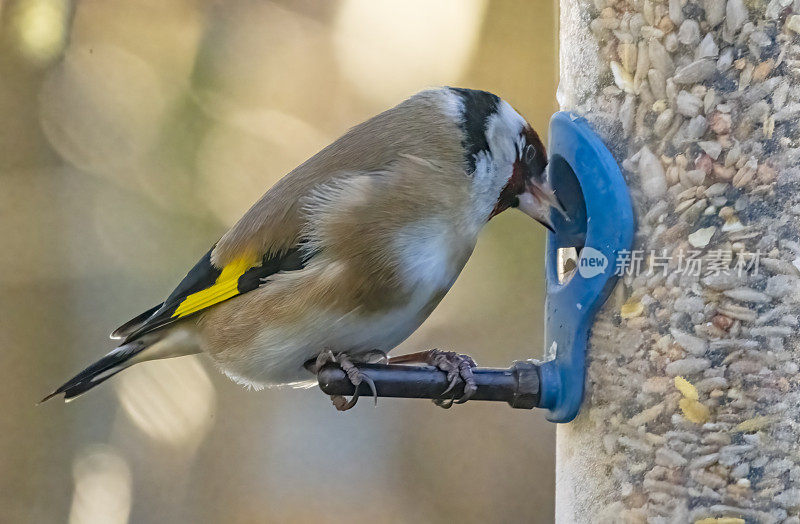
<point x="693" y="400"/>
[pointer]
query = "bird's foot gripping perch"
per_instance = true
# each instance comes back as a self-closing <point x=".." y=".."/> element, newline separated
<point x="457" y="366"/>
<point x="354" y="375"/>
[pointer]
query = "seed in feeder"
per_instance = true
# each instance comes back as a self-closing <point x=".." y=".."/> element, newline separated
<point x="695" y="177"/>
<point x="707" y="48"/>
<point x="722" y="322"/>
<point x="631" y="309"/>
<point x="696" y="128"/>
<point x="768" y="127"/>
<point x="766" y="174"/>
<point x="704" y="163"/>
<point x="651" y="171"/>
<point x="658" y="83"/>
<point x="793" y="24"/>
<point x="691" y="343"/>
<point x="723" y="173"/>
<point x="660" y="58"/>
<point x="666" y="24"/>
<point x="735" y="15"/>
<point x="675" y="11"/>
<point x="746" y="294"/>
<point x="710" y="101"/>
<point x="692" y="214"/>
<point x="742" y="335"/>
<point x="689" y="33"/>
<point x="714" y="11"/>
<point x="663" y="122"/>
<point x="697" y="71"/>
<point x="702" y="237"/>
<point x="694" y="411"/>
<point x="734" y="154"/>
<point x="745" y="175"/>
<point x="687" y="366"/>
<point x="732" y="225"/>
<point x="754" y="424"/>
<point x="763" y="70"/>
<point x="746" y="76"/>
<point x="622" y="78"/>
<point x="642" y="63"/>
<point x="715" y="190"/>
<point x="669" y="458"/>
<point x="725" y="60"/>
<point x="720" y="123"/>
<point x="683" y="206"/>
<point x="711" y="147"/>
<point x="688" y="104"/>
<point x="758" y="112"/>
<point x="686" y="388"/>
<point x="648" y="415"/>
<point x="671" y="42"/>
<point x="627" y="55"/>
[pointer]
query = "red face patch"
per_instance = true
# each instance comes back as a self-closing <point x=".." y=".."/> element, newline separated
<point x="523" y="172"/>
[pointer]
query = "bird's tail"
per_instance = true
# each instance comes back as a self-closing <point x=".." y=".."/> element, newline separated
<point x="150" y="347"/>
<point x="102" y="370"/>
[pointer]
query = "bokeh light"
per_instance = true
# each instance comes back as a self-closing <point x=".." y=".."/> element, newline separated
<point x="388" y="50"/>
<point x="101" y="108"/>
<point x="102" y="493"/>
<point x="248" y="151"/>
<point x="171" y="401"/>
<point x="40" y="27"/>
<point x="255" y="60"/>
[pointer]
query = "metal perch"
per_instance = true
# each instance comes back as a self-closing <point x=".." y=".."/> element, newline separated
<point x="517" y="385"/>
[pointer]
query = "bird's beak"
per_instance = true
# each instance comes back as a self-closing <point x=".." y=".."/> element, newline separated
<point x="537" y="200"/>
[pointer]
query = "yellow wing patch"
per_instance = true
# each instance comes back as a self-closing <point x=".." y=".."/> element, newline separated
<point x="206" y="285"/>
<point x="226" y="286"/>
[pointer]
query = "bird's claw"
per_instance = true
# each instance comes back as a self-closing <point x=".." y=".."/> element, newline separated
<point x="354" y="375"/>
<point x="458" y="368"/>
<point x="375" y="356"/>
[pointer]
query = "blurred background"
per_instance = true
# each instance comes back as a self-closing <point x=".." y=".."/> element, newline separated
<point x="132" y="134"/>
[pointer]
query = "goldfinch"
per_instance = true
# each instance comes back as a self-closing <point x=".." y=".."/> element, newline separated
<point x="351" y="251"/>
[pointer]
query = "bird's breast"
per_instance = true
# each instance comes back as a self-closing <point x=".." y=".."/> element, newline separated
<point x="430" y="254"/>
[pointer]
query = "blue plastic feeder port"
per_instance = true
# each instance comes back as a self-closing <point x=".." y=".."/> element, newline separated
<point x="588" y="181"/>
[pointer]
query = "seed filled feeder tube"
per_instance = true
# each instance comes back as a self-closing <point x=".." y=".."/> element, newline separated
<point x="692" y="411"/>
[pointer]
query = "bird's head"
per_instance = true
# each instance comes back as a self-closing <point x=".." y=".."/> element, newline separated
<point x="505" y="158"/>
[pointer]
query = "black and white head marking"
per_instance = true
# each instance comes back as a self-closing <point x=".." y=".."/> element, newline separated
<point x="498" y="144"/>
<point x="476" y="108"/>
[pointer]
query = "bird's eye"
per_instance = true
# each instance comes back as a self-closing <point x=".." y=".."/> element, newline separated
<point x="530" y="153"/>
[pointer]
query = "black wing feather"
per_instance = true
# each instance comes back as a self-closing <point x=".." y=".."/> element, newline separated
<point x="135" y="323"/>
<point x="204" y="274"/>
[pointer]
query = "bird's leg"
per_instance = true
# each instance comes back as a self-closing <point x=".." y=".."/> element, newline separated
<point x="354" y="375"/>
<point x="457" y="366"/>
